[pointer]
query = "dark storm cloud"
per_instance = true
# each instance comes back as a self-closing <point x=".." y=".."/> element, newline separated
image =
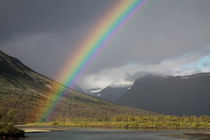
<point x="166" y="28"/>
<point x="42" y="33"/>
<point x="35" y="16"/>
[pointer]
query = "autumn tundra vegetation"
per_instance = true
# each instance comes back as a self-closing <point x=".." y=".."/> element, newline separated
<point x="7" y="128"/>
<point x="134" y="122"/>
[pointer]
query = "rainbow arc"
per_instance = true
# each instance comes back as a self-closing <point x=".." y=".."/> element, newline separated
<point x="107" y="28"/>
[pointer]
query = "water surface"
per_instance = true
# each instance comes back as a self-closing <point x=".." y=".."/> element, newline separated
<point x="105" y="134"/>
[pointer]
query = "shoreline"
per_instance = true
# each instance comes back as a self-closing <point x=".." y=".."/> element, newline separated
<point x="46" y="128"/>
<point x="171" y="132"/>
<point x="41" y="129"/>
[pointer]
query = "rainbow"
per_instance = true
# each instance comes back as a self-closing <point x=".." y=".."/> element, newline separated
<point x="100" y="36"/>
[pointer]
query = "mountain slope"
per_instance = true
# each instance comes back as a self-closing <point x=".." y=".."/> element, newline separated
<point x="187" y="95"/>
<point x="24" y="90"/>
<point x="111" y="93"/>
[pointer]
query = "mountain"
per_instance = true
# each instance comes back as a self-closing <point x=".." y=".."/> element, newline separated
<point x="78" y="89"/>
<point x="111" y="93"/>
<point x="25" y="91"/>
<point x="93" y="91"/>
<point x="181" y="95"/>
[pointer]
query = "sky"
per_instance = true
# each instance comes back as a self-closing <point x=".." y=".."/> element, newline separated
<point x="168" y="37"/>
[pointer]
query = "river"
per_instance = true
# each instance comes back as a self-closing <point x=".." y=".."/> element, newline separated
<point x="106" y="134"/>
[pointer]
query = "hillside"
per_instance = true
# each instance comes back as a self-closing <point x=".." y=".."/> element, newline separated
<point x="182" y="95"/>
<point x="111" y="93"/>
<point x="24" y="90"/>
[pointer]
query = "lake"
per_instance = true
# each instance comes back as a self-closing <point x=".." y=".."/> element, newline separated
<point x="106" y="134"/>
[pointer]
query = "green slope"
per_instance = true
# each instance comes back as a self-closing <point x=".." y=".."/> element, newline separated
<point x="24" y="90"/>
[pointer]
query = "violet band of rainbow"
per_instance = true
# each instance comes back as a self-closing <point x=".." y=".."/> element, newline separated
<point x="96" y="41"/>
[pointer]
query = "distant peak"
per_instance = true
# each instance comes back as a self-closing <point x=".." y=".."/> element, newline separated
<point x="122" y="84"/>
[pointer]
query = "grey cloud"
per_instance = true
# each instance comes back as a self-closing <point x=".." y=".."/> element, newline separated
<point x="43" y="33"/>
<point x="37" y="16"/>
<point x="164" y="29"/>
<point x="186" y="64"/>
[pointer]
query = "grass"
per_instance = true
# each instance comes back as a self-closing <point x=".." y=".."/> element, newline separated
<point x="135" y="122"/>
<point x="27" y="98"/>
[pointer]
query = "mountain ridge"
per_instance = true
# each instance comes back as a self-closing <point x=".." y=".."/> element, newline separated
<point x="173" y="95"/>
<point x="25" y="90"/>
<point x="110" y="93"/>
